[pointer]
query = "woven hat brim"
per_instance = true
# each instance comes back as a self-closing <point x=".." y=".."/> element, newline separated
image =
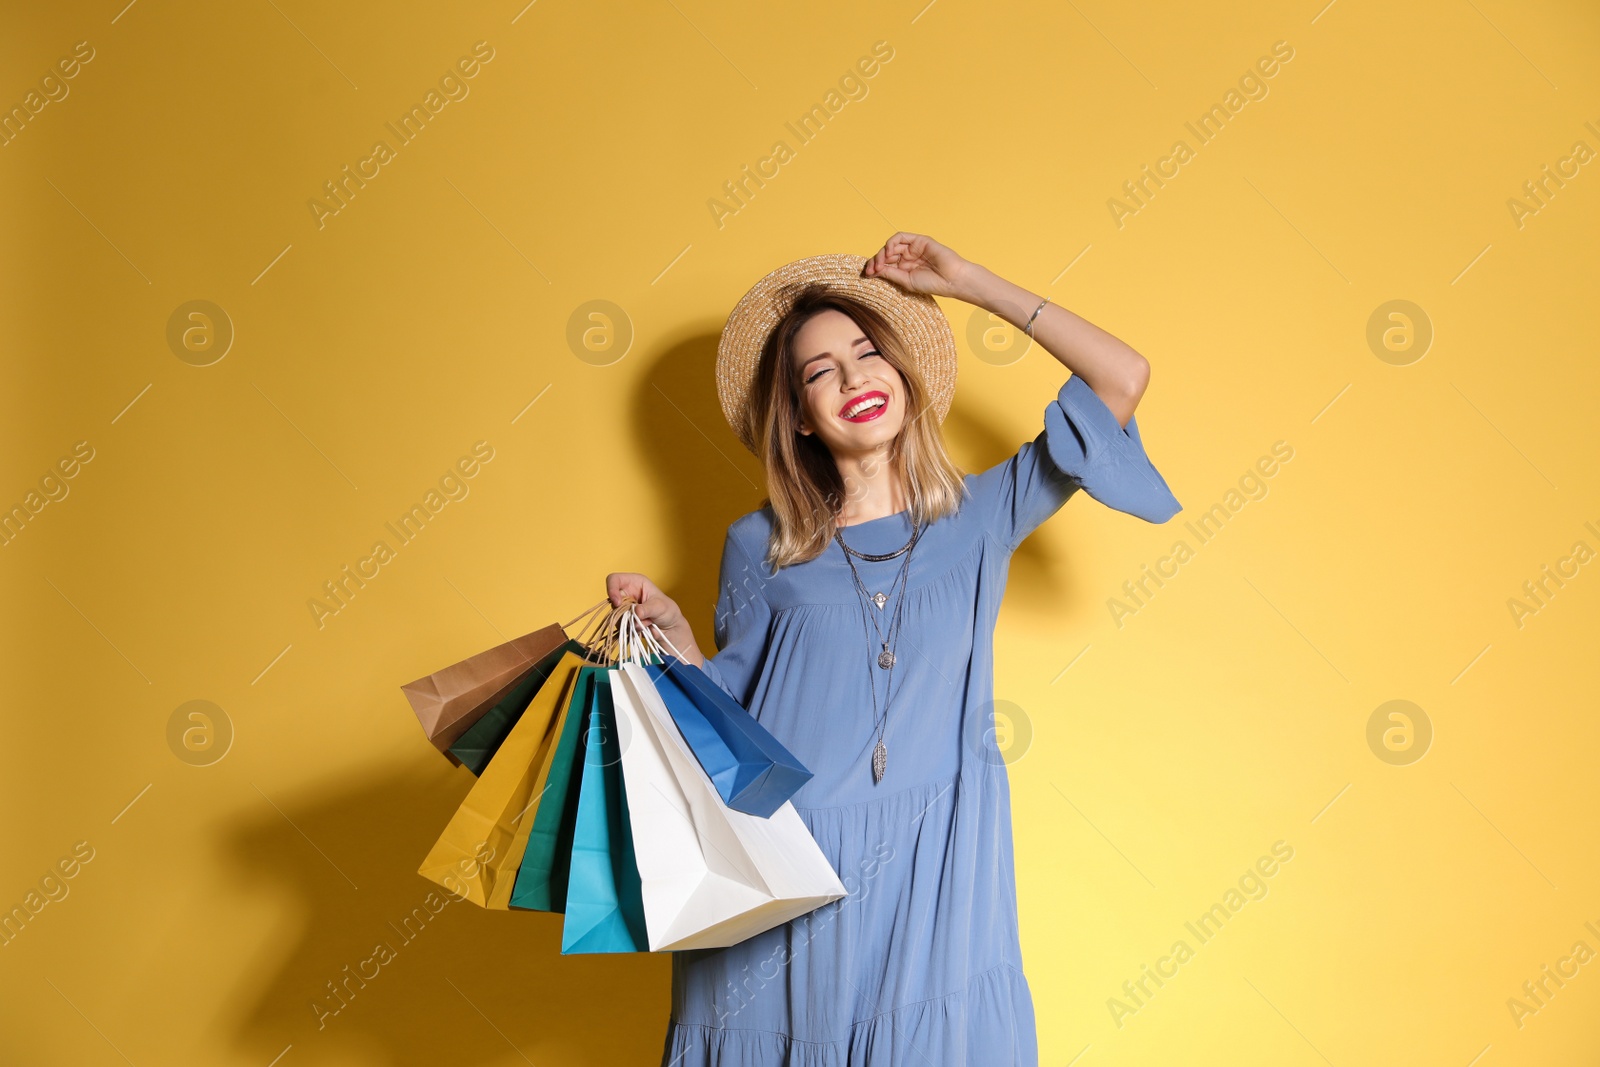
<point x="917" y="317"/>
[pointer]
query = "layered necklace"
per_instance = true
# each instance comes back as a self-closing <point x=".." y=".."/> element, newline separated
<point x="886" y="636"/>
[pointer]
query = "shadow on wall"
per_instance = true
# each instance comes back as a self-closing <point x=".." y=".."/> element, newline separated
<point x="708" y="479"/>
<point x="705" y="478"/>
<point x="380" y="966"/>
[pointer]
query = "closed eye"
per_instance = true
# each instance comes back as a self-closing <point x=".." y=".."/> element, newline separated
<point x="825" y="370"/>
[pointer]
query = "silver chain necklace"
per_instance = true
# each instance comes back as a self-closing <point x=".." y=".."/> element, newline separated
<point x="886" y="657"/>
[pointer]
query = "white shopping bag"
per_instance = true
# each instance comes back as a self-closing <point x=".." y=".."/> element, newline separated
<point x="711" y="876"/>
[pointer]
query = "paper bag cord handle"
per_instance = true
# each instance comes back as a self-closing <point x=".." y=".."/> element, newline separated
<point x="590" y="638"/>
<point x="586" y="614"/>
<point x="619" y="633"/>
<point x="604" y="646"/>
<point x="669" y="643"/>
<point x="637" y="640"/>
<point x="648" y="639"/>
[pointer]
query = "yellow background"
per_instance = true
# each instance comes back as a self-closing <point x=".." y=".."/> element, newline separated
<point x="1229" y="713"/>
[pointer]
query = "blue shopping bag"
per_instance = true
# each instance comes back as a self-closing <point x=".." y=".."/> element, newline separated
<point x="605" y="899"/>
<point x="751" y="769"/>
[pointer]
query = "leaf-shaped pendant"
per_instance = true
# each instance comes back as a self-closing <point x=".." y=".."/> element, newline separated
<point x="880" y="761"/>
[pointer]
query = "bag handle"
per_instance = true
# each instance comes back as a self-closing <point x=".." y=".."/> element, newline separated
<point x="658" y="631"/>
<point x="608" y="648"/>
<point x="597" y="639"/>
<point x="587" y="614"/>
<point x="591" y="629"/>
<point x="639" y="643"/>
<point x="619" y="635"/>
<point x="629" y="645"/>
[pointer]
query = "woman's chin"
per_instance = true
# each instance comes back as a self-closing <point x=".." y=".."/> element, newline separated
<point x="866" y="436"/>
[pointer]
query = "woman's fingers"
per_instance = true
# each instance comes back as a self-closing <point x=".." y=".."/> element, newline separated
<point x="918" y="263"/>
<point x="915" y="262"/>
<point x="660" y="610"/>
<point x="620" y="584"/>
<point x="891" y="252"/>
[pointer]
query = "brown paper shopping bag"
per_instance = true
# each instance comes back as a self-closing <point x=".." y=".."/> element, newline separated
<point x="478" y="855"/>
<point x="449" y="701"/>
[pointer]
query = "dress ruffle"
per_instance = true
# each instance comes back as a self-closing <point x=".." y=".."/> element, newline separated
<point x="978" y="1024"/>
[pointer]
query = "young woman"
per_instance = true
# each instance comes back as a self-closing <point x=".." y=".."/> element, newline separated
<point x="855" y="621"/>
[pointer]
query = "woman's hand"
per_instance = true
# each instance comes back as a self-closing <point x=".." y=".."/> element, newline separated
<point x="922" y="265"/>
<point x="654" y="606"/>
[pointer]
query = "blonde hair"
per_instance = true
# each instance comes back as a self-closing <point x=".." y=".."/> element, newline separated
<point x="806" y="490"/>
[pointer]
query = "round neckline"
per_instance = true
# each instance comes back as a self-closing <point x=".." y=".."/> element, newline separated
<point x="868" y="522"/>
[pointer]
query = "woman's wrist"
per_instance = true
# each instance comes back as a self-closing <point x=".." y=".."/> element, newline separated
<point x="691" y="652"/>
<point x="986" y="289"/>
<point x="681" y="639"/>
<point x="972" y="282"/>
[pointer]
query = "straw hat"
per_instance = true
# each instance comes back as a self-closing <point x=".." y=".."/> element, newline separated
<point x="917" y="317"/>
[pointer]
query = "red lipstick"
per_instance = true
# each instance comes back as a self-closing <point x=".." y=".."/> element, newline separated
<point x="869" y="413"/>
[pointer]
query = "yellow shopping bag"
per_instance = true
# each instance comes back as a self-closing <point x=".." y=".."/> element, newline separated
<point x="477" y="856"/>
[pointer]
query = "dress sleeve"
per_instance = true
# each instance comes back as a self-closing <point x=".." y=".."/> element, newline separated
<point x="740" y="626"/>
<point x="1080" y="447"/>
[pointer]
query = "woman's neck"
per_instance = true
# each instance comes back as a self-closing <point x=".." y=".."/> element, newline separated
<point x="872" y="490"/>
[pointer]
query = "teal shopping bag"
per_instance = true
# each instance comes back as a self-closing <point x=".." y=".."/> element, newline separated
<point x="605" y="898"/>
<point x="541" y="883"/>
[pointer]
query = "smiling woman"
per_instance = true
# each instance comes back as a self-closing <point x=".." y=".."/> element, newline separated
<point x="865" y="645"/>
<point x="836" y="386"/>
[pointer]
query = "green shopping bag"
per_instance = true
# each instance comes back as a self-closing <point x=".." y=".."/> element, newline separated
<point x="605" y="898"/>
<point x="477" y="746"/>
<point x="541" y="883"/>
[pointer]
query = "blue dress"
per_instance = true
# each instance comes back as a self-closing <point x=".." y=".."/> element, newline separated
<point x="921" y="963"/>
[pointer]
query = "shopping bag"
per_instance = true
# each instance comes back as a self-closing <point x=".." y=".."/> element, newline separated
<point x="751" y="769"/>
<point x="541" y="880"/>
<point x="450" y="700"/>
<point x="480" y="851"/>
<point x="483" y="738"/>
<point x="710" y="875"/>
<point x="604" y="909"/>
